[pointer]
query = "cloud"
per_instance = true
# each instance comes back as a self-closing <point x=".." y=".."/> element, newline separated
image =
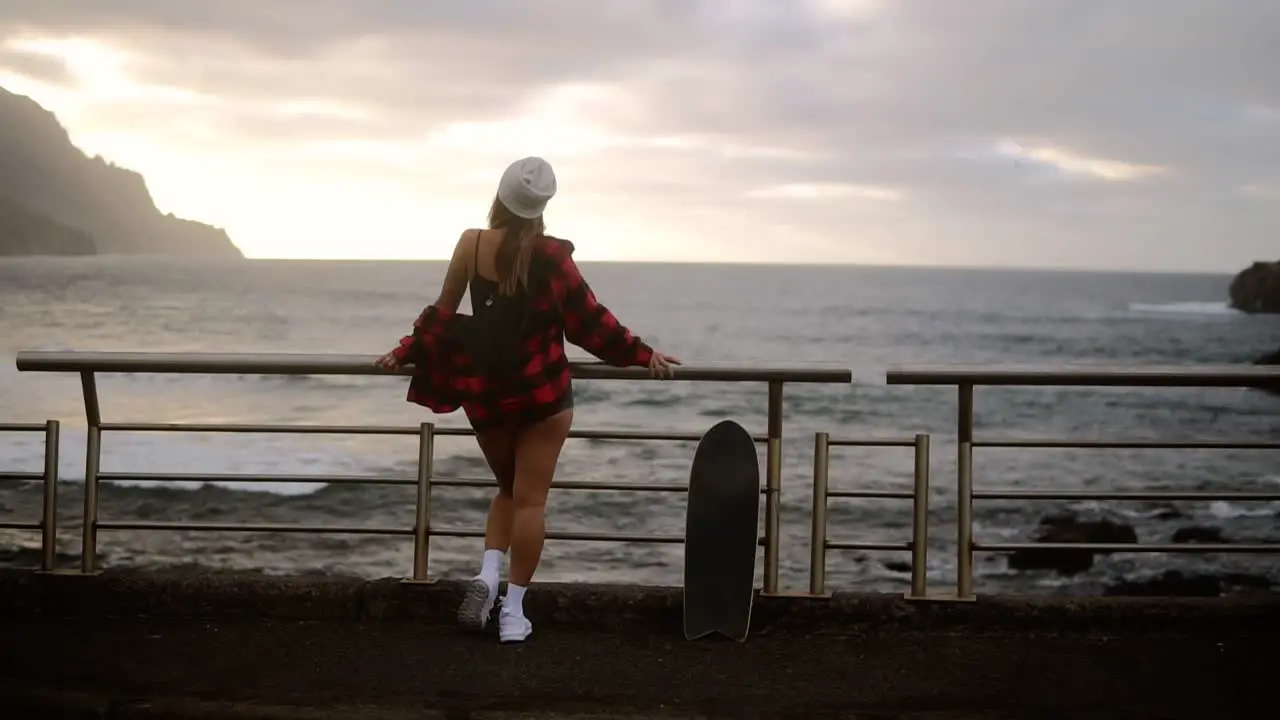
<point x="1089" y="167"/>
<point x="826" y="191"/>
<point x="1127" y="133"/>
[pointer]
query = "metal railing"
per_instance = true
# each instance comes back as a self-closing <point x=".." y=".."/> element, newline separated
<point x="89" y="364"/>
<point x="48" y="524"/>
<point x="965" y="379"/>
<point x="918" y="545"/>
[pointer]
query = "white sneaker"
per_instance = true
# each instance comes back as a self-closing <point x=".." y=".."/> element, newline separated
<point x="513" y="627"/>
<point x="477" y="604"/>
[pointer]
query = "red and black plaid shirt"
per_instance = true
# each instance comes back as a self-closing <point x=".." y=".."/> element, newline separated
<point x="445" y="376"/>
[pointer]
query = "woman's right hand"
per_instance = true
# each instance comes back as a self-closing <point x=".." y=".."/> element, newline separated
<point x="387" y="362"/>
<point x="660" y="365"/>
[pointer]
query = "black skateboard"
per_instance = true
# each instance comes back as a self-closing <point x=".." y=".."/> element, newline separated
<point x="721" y="533"/>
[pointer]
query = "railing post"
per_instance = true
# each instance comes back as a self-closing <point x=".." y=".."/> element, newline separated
<point x="89" y="531"/>
<point x="773" y="488"/>
<point x="964" y="514"/>
<point x="49" y="518"/>
<point x="93" y="455"/>
<point x="818" y="515"/>
<point x="920" y="520"/>
<point x="964" y="492"/>
<point x="422" y="515"/>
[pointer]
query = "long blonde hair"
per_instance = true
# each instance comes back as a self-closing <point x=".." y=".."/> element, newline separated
<point x="515" y="254"/>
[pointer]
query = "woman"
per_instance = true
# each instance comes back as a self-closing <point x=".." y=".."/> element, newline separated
<point x="505" y="365"/>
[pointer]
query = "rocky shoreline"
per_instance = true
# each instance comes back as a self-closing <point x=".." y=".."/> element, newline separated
<point x="1070" y="527"/>
<point x="1058" y="527"/>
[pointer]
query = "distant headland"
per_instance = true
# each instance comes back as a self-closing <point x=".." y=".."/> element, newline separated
<point x="1256" y="289"/>
<point x="55" y="200"/>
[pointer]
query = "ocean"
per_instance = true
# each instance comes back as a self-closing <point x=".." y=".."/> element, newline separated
<point x="864" y="318"/>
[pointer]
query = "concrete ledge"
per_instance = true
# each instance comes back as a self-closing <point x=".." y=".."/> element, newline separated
<point x="233" y="645"/>
<point x="20" y="704"/>
<point x="609" y="608"/>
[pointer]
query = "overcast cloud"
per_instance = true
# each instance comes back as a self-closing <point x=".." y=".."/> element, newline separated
<point x="1095" y="133"/>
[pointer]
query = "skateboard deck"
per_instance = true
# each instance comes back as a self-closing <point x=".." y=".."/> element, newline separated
<point x="721" y="533"/>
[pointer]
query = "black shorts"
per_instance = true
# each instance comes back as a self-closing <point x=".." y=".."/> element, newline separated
<point x="524" y="418"/>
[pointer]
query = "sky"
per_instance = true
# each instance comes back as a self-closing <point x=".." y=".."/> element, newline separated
<point x="1109" y="134"/>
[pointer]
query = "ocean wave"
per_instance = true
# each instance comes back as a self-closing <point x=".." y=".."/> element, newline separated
<point x="1224" y="510"/>
<point x="1214" y="308"/>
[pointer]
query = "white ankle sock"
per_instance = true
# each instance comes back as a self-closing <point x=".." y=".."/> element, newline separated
<point x="491" y="567"/>
<point x="514" y="601"/>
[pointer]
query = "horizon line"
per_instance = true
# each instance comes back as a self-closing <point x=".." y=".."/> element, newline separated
<point x="1077" y="269"/>
<point x="815" y="264"/>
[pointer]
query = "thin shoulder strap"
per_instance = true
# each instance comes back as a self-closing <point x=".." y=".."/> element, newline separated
<point x="475" y="260"/>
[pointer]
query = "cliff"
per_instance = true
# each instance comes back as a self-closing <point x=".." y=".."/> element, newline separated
<point x="1256" y="289"/>
<point x="50" y="190"/>
<point x="24" y="231"/>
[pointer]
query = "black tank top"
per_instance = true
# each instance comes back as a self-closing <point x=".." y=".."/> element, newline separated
<point x="496" y="332"/>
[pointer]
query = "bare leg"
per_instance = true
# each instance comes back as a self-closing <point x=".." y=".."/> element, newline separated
<point x="499" y="447"/>
<point x="537" y="452"/>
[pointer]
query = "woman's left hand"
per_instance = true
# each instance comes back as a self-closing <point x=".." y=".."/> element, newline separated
<point x="662" y="365"/>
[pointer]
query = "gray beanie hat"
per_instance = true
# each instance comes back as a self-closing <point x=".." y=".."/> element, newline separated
<point x="526" y="186"/>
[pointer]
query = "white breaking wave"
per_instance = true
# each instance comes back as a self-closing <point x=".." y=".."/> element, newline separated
<point x="1184" y="308"/>
<point x="1223" y="510"/>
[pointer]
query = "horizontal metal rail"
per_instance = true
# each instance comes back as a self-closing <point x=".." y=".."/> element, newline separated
<point x="573" y="485"/>
<point x="820" y="543"/>
<point x="847" y="545"/>
<point x="423" y="482"/>
<point x="89" y="364"/>
<point x="401" y="430"/>
<point x="575" y="536"/>
<point x="151" y="525"/>
<point x="871" y="442"/>
<point x="250" y="527"/>
<point x="966" y="378"/>
<point x="1050" y="444"/>
<point x="438" y="481"/>
<point x="1185" y="548"/>
<point x="48" y="524"/>
<point x="146" y="477"/>
<point x="1193" y="376"/>
<point x="300" y="364"/>
<point x="872" y="494"/>
<point x="1125" y="495"/>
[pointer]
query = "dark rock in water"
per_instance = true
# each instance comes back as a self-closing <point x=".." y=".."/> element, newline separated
<point x="1199" y="534"/>
<point x="1068" y="528"/>
<point x="1256" y="289"/>
<point x="1173" y="583"/>
<point x="898" y="566"/>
